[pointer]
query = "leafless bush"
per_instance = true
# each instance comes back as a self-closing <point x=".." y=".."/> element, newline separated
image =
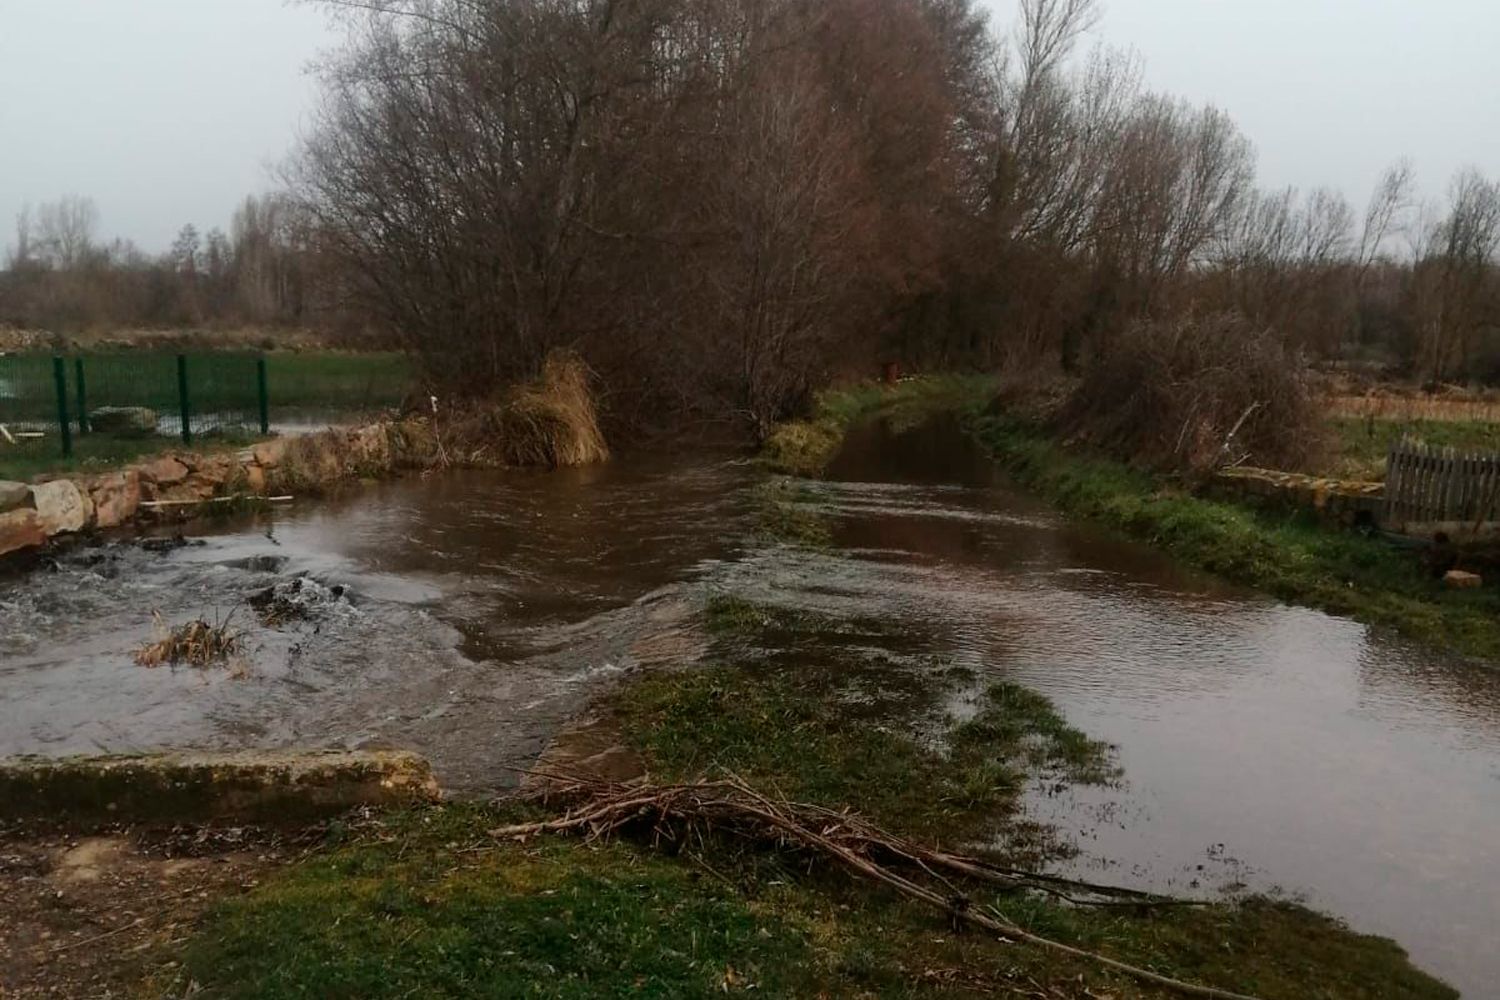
<point x="1198" y="394"/>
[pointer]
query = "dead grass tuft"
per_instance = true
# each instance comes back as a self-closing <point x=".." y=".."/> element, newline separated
<point x="198" y="643"/>
<point x="551" y="422"/>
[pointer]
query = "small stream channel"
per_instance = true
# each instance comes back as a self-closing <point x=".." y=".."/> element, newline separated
<point x="1264" y="747"/>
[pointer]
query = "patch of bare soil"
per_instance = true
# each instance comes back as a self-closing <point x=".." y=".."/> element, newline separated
<point x="83" y="916"/>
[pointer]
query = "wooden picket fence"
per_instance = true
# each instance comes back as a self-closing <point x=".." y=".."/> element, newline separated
<point x="1424" y="485"/>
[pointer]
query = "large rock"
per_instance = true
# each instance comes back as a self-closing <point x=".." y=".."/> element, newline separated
<point x="164" y="471"/>
<point x="123" y="421"/>
<point x="1457" y="579"/>
<point x="217" y="468"/>
<point x="20" y="529"/>
<point x="13" y="495"/>
<point x="370" y="450"/>
<point x="61" y="507"/>
<point x="195" y="489"/>
<point x="116" y="498"/>
<point x="269" y="454"/>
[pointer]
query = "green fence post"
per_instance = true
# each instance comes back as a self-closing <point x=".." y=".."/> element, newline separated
<point x="83" y="397"/>
<point x="265" y="396"/>
<point x="185" y="407"/>
<point x="60" y="380"/>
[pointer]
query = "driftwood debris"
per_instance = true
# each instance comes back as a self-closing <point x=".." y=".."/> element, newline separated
<point x="596" y="809"/>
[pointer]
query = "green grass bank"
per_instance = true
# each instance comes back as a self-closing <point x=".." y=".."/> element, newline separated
<point x="1288" y="556"/>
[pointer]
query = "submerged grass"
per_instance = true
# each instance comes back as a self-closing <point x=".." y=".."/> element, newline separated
<point x="786" y="513"/>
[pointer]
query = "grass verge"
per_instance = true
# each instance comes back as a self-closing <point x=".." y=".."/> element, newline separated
<point x="428" y="904"/>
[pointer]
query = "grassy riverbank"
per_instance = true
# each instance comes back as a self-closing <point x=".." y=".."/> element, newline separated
<point x="431" y="904"/>
<point x="1289" y="557"/>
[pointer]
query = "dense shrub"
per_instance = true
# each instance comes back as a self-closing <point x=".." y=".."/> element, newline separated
<point x="1197" y="394"/>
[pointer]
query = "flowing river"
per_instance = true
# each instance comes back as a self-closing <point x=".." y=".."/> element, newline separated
<point x="1264" y="747"/>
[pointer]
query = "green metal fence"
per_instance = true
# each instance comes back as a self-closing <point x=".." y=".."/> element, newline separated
<point x="50" y="404"/>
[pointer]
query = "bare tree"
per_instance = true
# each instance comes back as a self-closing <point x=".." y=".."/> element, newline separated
<point x="20" y="255"/>
<point x="65" y="231"/>
<point x="1391" y="200"/>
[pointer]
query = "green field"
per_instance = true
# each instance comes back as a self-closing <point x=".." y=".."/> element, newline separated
<point x="1360" y="445"/>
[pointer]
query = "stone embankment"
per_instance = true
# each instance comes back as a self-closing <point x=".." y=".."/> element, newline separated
<point x="173" y="483"/>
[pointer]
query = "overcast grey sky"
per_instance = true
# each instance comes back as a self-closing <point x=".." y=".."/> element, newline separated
<point x="170" y="111"/>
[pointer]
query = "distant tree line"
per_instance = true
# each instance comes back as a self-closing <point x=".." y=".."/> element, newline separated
<point x="60" y="276"/>
<point x="721" y="203"/>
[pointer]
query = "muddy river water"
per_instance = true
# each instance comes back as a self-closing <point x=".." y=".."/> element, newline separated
<point x="1264" y="747"/>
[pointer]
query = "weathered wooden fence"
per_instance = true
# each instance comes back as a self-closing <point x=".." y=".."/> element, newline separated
<point x="1432" y="486"/>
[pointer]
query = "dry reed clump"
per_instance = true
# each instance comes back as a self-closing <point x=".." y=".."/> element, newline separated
<point x="197" y="643"/>
<point x="1196" y="395"/>
<point x="550" y="422"/>
<point x="1400" y="407"/>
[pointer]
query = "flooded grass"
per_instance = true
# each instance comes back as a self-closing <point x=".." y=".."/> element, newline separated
<point x="785" y="516"/>
<point x="805" y="447"/>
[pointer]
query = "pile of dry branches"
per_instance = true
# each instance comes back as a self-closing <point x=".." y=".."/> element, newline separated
<point x="690" y="811"/>
<point x="198" y="643"/>
<point x="1196" y="395"/>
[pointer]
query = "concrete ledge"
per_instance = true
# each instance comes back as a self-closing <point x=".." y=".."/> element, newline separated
<point x="256" y="787"/>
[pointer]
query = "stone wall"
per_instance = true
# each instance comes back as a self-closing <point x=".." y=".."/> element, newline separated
<point x="1335" y="501"/>
<point x="181" y="482"/>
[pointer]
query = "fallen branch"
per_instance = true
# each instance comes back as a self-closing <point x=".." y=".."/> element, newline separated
<point x="602" y="809"/>
<point x="228" y="499"/>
